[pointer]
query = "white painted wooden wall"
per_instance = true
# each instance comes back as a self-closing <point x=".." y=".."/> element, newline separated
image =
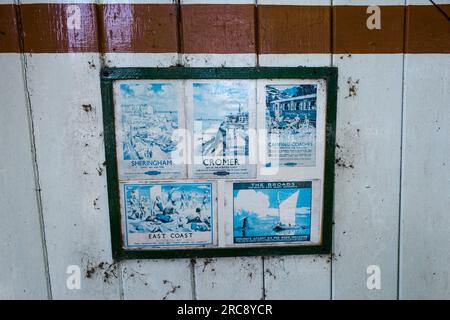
<point x="391" y="203"/>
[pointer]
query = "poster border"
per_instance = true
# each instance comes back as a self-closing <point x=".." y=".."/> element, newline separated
<point x="109" y="75"/>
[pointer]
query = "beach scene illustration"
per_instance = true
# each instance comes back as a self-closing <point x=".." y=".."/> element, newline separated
<point x="175" y="212"/>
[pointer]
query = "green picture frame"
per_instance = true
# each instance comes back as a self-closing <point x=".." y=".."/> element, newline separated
<point x="109" y="75"/>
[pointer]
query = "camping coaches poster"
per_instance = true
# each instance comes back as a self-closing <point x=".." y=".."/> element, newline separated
<point x="222" y="118"/>
<point x="172" y="214"/>
<point x="149" y="121"/>
<point x="290" y="123"/>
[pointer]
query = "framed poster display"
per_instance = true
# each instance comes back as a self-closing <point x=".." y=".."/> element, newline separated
<point x="205" y="162"/>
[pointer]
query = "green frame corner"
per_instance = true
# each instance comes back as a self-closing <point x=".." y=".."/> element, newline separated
<point x="109" y="75"/>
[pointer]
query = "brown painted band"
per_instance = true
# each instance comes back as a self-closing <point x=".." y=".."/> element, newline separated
<point x="139" y="28"/>
<point x="58" y="28"/>
<point x="9" y="35"/>
<point x="428" y="29"/>
<point x="352" y="33"/>
<point x="294" y="29"/>
<point x="223" y="29"/>
<point x="218" y="28"/>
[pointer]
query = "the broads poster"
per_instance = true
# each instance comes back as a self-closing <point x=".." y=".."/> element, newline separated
<point x="265" y="212"/>
<point x="271" y="213"/>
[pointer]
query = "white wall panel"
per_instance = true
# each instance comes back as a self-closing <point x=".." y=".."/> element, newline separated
<point x="22" y="262"/>
<point x="367" y="174"/>
<point x="425" y="223"/>
<point x="67" y="114"/>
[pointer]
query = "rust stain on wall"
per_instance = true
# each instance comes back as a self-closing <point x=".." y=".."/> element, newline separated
<point x="139" y="28"/>
<point x="294" y="29"/>
<point x="218" y="28"/>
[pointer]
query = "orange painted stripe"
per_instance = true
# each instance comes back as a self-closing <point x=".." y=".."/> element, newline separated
<point x="294" y="29"/>
<point x="214" y="28"/>
<point x="223" y="29"/>
<point x="9" y="39"/>
<point x="351" y="34"/>
<point x="427" y="30"/>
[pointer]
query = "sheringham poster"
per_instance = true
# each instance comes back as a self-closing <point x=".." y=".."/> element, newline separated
<point x="150" y="122"/>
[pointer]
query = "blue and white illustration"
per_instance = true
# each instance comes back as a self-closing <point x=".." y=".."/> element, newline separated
<point x="164" y="214"/>
<point x="265" y="212"/>
<point x="149" y="116"/>
<point x="223" y="112"/>
<point x="291" y="114"/>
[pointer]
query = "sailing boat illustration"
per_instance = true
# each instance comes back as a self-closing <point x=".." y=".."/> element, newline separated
<point x="244" y="227"/>
<point x="286" y="212"/>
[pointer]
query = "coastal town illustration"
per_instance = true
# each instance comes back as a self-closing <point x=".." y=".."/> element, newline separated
<point x="149" y="118"/>
<point x="221" y="125"/>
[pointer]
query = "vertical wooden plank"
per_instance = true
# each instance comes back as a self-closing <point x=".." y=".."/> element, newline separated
<point x="22" y="265"/>
<point x="222" y="278"/>
<point x="367" y="153"/>
<point x="157" y="279"/>
<point x="367" y="174"/>
<point x="64" y="87"/>
<point x="424" y="272"/>
<point x="425" y="232"/>
<point x="295" y="277"/>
